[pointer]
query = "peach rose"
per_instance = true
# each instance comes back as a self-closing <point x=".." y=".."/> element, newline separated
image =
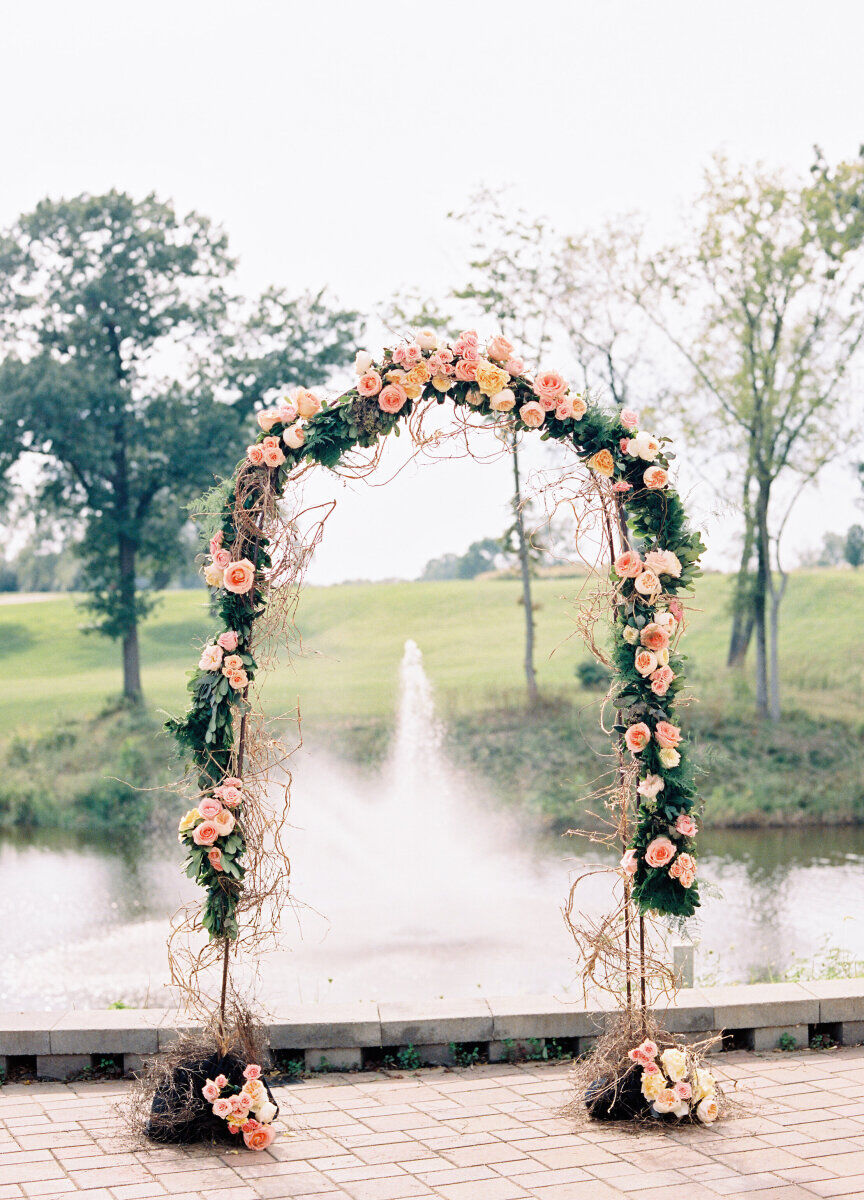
<point x="209" y="807"/>
<point x="664" y="562"/>
<point x="628" y="565"/>
<point x="221" y="1108"/>
<point x="294" y="436"/>
<point x="268" y="417"/>
<point x="503" y="401"/>
<point x="229" y="794"/>
<point x="205" y="834"/>
<point x="655" y="478"/>
<point x="603" y="463"/>
<point x="211" y="659"/>
<point x="660" y="680"/>
<point x="260" y="1138"/>
<point x="685" y="825"/>
<point x="645" y="662"/>
<point x="647" y="583"/>
<point x="489" y="378"/>
<point x="273" y="456"/>
<point x="252" y="1071"/>
<point x="238" y="680"/>
<point x="214" y="857"/>
<point x="306" y="402"/>
<point x="465" y="370"/>
<point x="515" y="366"/>
<point x="392" y="398"/>
<point x="222" y="558"/>
<point x="255" y="455"/>
<point x="654" y="637"/>
<point x="578" y="407"/>
<point x="666" y="621"/>
<point x="224" y="822"/>
<point x="550" y="387"/>
<point x="232" y="662"/>
<point x="442" y="383"/>
<point x="629" y="862"/>
<point x="228" y="640"/>
<point x="407" y="355"/>
<point x="628" y="418"/>
<point x="667" y="735"/>
<point x="659" y="852"/>
<point x="499" y="349"/>
<point x="684" y="867"/>
<point x="239" y="577"/>
<point x="369" y="384"/>
<point x="473" y="397"/>
<point x="637" y="737"/>
<point x="417" y="376"/>
<point x="532" y="414"/>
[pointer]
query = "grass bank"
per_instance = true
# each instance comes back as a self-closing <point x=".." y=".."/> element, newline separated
<point x="811" y="767"/>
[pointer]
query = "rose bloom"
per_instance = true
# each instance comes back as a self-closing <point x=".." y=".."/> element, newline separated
<point x="666" y="621"/>
<point x="628" y="565"/>
<point x="532" y="414"/>
<point x="229" y="794"/>
<point x="707" y="1110"/>
<point x="213" y="575"/>
<point x="188" y="820"/>
<point x="659" y="852"/>
<point x="369" y="384"/>
<point x="630" y="635"/>
<point x="239" y="577"/>
<point x="499" y="348"/>
<point x="503" y="401"/>
<point x="252" y="1071"/>
<point x="211" y="658"/>
<point x="210" y="1092"/>
<point x="664" y="562"/>
<point x="603" y="463"/>
<point x="427" y="339"/>
<point x="362" y="362"/>
<point x="489" y="378"/>
<point x="674" y="1062"/>
<point x="260" y="1138"/>
<point x="578" y="407"/>
<point x="550" y="387"/>
<point x="224" y="822"/>
<point x="232" y="662"/>
<point x="669" y="757"/>
<point x="654" y="637"/>
<point x="655" y="478"/>
<point x="442" y="383"/>
<point x="216" y="541"/>
<point x="307" y="403"/>
<point x="417" y="376"/>
<point x="645" y="662"/>
<point x="214" y="857"/>
<point x="515" y="366"/>
<point x="268" y="417"/>
<point x="621" y="486"/>
<point x="255" y="455"/>
<point x="273" y="456"/>
<point x="205" y="834"/>
<point x="647" y="583"/>
<point x="637" y="737"/>
<point x="629" y="862"/>
<point x="228" y="640"/>
<point x="660" y="680"/>
<point x="467" y="340"/>
<point x="465" y="370"/>
<point x="644" y="445"/>
<point x="209" y="807"/>
<point x="392" y="398"/>
<point x="221" y="1108"/>
<point x="683" y="866"/>
<point x="222" y="558"/>
<point x="653" y="1083"/>
<point x="238" y="679"/>
<point x="683" y="1090"/>
<point x="287" y="412"/>
<point x="685" y="825"/>
<point x="628" y="418"/>
<point x="666" y="734"/>
<point x="650" y="786"/>
<point x="407" y="355"/>
<point x="294" y="437"/>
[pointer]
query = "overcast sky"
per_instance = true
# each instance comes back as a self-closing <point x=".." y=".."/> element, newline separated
<point x="332" y="139"/>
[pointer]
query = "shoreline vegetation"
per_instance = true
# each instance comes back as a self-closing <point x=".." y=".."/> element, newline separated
<point x="69" y="753"/>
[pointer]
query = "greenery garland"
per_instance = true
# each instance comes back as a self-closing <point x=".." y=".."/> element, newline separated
<point x="630" y="465"/>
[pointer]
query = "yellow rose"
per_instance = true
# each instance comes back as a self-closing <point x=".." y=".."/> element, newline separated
<point x="674" y="1064"/>
<point x="704" y="1085"/>
<point x="417" y="375"/>
<point x="442" y="383"/>
<point x="490" y="379"/>
<point x="603" y="463"/>
<point x="189" y="820"/>
<point x="413" y="393"/>
<point x="653" y="1085"/>
<point x="669" y="757"/>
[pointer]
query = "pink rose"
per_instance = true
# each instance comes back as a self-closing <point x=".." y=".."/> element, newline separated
<point x="216" y="541"/>
<point x="471" y="354"/>
<point x="221" y="1108"/>
<point x="210" y="1092"/>
<point x="637" y="737"/>
<point x="684" y="870"/>
<point x="220" y="1081"/>
<point x="683" y="1090"/>
<point x="287" y="412"/>
<point x="676" y="610"/>
<point x="239" y="577"/>
<point x="660" y="680"/>
<point x="659" y="852"/>
<point x="550" y="387"/>
<point x="255" y="455"/>
<point x="685" y="825"/>
<point x="209" y="807"/>
<point x="214" y="857"/>
<point x="466" y="371"/>
<point x="205" y="834"/>
<point x="664" y="562"/>
<point x="222" y="558"/>
<point x="229" y="794"/>
<point x="273" y="456"/>
<point x="499" y="349"/>
<point x="667" y="735"/>
<point x="467" y="340"/>
<point x="407" y="355"/>
<point x="228" y="641"/>
<point x="628" y="565"/>
<point x="369" y="384"/>
<point x="655" y="478"/>
<point x="211" y="659"/>
<point x="392" y="398"/>
<point x="515" y="366"/>
<point x="650" y="786"/>
<point x="252" y="1071"/>
<point x="628" y="418"/>
<point x="532" y="414"/>
<point x="250" y="1125"/>
<point x="260" y="1138"/>
<point x="621" y="486"/>
<point x="629" y="862"/>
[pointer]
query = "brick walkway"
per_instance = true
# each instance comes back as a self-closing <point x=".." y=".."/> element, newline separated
<point x="491" y="1133"/>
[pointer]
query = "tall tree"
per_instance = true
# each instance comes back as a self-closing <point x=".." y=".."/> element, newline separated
<point x="117" y="386"/>
<point x="766" y="306"/>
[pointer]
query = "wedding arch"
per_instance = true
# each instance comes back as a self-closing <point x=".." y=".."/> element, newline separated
<point x="653" y="559"/>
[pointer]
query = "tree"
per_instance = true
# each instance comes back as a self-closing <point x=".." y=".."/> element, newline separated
<point x="766" y="307"/>
<point x="853" y="549"/>
<point x="118" y="381"/>
<point x="833" y="547"/>
<point x="479" y="557"/>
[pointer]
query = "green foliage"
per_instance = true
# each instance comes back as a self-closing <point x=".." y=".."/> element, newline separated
<point x="787" y="1042"/>
<point x="853" y="549"/>
<point x="465" y="1054"/>
<point x="406" y="1058"/>
<point x="479" y="557"/>
<point x="593" y="675"/>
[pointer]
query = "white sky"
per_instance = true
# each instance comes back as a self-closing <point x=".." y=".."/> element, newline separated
<point x="332" y="139"/>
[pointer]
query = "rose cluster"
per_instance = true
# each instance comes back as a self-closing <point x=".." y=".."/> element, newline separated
<point x="222" y="572"/>
<point x="676" y="1084"/>
<point x="212" y="834"/>
<point x="247" y="1109"/>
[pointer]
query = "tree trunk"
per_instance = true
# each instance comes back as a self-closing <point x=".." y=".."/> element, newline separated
<point x="760" y="594"/>
<point x="774" y="696"/>
<point x="742" y="602"/>
<point x="525" y="569"/>
<point x="131" y="662"/>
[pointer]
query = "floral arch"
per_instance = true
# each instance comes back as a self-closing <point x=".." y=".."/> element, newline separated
<point x="653" y="559"/>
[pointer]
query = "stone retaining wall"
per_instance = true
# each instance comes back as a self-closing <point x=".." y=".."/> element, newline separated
<point x="58" y="1045"/>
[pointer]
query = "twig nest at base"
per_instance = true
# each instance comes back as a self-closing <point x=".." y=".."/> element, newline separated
<point x="654" y="1083"/>
<point x="214" y="1098"/>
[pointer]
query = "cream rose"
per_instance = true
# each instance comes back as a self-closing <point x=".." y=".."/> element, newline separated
<point x="645" y="662"/>
<point x="294" y="437"/>
<point x="211" y="658"/>
<point x="532" y="414"/>
<point x="674" y="1062"/>
<point x="653" y="1085"/>
<point x="647" y="583"/>
<point x="708" y="1110"/>
<point x="643" y="445"/>
<point x="427" y="339"/>
<point x="630" y="635"/>
<point x="213" y="575"/>
<point x="363" y="361"/>
<point x="502" y="401"/>
<point x="669" y="757"/>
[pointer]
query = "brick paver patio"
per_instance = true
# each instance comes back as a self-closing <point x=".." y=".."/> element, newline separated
<point x="489" y="1133"/>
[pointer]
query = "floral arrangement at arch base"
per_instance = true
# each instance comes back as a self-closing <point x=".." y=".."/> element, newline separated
<point x="629" y="470"/>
